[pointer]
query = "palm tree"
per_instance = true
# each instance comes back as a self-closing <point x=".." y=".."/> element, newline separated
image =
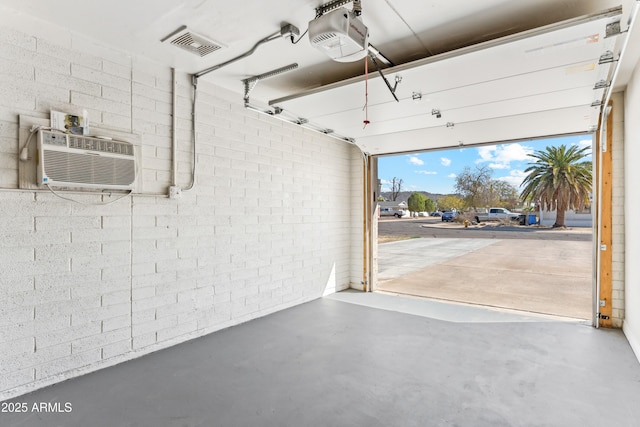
<point x="559" y="180"/>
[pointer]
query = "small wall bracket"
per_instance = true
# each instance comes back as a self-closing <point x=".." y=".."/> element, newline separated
<point x="612" y="29"/>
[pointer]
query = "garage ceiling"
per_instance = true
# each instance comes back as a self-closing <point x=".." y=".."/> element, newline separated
<point x="541" y="83"/>
<point x="465" y="58"/>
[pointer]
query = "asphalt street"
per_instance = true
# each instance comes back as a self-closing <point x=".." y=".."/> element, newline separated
<point x="434" y="227"/>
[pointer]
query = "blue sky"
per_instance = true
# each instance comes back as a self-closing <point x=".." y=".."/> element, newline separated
<point x="436" y="171"/>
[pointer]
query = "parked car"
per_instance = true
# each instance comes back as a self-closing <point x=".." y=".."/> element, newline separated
<point x="423" y="213"/>
<point x="436" y="213"/>
<point x="498" y="214"/>
<point x="398" y="213"/>
<point x="449" y="215"/>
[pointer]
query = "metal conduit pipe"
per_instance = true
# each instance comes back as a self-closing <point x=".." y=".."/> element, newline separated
<point x="603" y="120"/>
<point x="365" y="225"/>
<point x="174" y="134"/>
<point x="603" y="126"/>
<point x="285" y="30"/>
<point x="237" y="58"/>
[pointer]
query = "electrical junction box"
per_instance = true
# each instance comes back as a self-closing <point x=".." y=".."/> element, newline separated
<point x="340" y="34"/>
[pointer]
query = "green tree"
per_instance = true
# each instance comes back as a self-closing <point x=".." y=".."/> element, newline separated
<point x="429" y="205"/>
<point x="416" y="202"/>
<point x="559" y="179"/>
<point x="451" y="202"/>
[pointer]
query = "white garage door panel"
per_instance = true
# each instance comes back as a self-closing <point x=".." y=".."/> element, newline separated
<point x="512" y="128"/>
<point x="517" y="92"/>
<point x="380" y="124"/>
<point x="511" y="82"/>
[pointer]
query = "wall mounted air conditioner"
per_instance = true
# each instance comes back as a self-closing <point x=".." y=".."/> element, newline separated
<point x="66" y="160"/>
<point x="340" y="34"/>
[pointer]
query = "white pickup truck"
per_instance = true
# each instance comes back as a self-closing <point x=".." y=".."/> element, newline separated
<point x="497" y="214"/>
<point x="398" y="213"/>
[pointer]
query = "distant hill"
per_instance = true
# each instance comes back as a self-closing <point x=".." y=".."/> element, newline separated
<point x="403" y="196"/>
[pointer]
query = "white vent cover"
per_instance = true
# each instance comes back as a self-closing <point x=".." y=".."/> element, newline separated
<point x="191" y="42"/>
<point x="79" y="161"/>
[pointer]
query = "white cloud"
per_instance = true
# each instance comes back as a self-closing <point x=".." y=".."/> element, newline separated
<point x="501" y="156"/>
<point x="584" y="143"/>
<point x="444" y="161"/>
<point x="498" y="166"/>
<point x="427" y="172"/>
<point x="385" y="185"/>
<point x="452" y="175"/>
<point x="515" y="177"/>
<point x="486" y="153"/>
<point x="415" y="161"/>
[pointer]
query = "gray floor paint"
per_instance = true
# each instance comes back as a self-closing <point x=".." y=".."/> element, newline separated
<point x="335" y="363"/>
<point x="445" y="310"/>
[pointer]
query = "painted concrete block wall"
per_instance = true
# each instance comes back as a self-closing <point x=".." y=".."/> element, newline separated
<point x="631" y="325"/>
<point x="618" y="220"/>
<point x="268" y="225"/>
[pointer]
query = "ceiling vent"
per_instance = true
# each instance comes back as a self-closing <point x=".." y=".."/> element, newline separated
<point x="191" y="42"/>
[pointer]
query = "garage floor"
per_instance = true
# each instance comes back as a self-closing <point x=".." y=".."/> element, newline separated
<point x="335" y="363"/>
<point x="541" y="276"/>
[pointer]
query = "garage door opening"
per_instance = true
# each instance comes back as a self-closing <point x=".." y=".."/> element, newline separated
<point x="518" y="262"/>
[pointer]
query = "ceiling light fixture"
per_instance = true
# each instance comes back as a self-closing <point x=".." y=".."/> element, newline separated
<point x="436" y="112"/>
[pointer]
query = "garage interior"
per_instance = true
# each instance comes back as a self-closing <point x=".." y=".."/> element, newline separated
<point x="222" y="287"/>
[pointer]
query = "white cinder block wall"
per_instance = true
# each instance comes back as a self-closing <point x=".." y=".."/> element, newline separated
<point x="631" y="325"/>
<point x="269" y="224"/>
<point x="618" y="222"/>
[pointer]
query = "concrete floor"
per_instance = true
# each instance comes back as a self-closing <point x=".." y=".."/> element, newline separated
<point x="541" y="276"/>
<point x="337" y="363"/>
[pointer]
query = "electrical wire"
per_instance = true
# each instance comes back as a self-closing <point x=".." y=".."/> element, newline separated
<point x="193" y="136"/>
<point x="300" y="38"/>
<point x="84" y="203"/>
<point x="366" y="92"/>
<point x="24" y="152"/>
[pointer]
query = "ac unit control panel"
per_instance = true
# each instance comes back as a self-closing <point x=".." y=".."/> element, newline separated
<point x="104" y="145"/>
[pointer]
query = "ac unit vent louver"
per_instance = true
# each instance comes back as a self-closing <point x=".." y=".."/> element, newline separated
<point x="323" y="38"/>
<point x="80" y="161"/>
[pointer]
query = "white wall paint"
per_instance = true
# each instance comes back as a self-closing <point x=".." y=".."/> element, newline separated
<point x="631" y="324"/>
<point x="84" y="287"/>
<point x="572" y="219"/>
<point x="618" y="219"/>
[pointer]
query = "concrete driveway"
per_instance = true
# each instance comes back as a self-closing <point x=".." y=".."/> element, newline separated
<point x="540" y="276"/>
